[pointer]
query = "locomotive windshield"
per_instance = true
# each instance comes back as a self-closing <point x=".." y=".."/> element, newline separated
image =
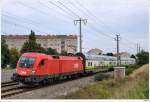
<point x="26" y="62"/>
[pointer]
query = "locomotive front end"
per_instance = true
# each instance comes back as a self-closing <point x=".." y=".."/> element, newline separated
<point x="25" y="69"/>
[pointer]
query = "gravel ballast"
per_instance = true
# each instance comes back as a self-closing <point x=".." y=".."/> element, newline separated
<point x="53" y="91"/>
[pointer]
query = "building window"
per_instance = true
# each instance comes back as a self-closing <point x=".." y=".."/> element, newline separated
<point x="44" y="44"/>
<point x="62" y="42"/>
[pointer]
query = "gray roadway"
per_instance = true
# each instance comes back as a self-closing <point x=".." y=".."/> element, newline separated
<point x="6" y="74"/>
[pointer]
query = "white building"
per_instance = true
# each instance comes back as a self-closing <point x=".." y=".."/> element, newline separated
<point x="123" y="54"/>
<point x="95" y="51"/>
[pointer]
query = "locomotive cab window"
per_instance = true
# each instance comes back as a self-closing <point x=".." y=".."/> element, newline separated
<point x="26" y="62"/>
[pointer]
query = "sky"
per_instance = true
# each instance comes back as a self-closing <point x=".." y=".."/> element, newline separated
<point x="105" y="19"/>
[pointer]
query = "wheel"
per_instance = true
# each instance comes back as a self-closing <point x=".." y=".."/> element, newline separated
<point x="45" y="82"/>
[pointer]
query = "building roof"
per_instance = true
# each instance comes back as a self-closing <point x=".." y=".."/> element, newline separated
<point x="122" y="53"/>
<point x="95" y="50"/>
<point x="40" y="36"/>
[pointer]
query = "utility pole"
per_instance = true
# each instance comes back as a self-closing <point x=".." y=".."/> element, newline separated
<point x="137" y="48"/>
<point x="118" y="57"/>
<point x="80" y="29"/>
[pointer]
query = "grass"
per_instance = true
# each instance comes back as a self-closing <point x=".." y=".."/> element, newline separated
<point x="134" y="86"/>
<point x="131" y="68"/>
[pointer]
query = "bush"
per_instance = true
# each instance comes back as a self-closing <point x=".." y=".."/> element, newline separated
<point x="142" y="57"/>
<point x="100" y="76"/>
<point x="131" y="68"/>
<point x="14" y="56"/>
<point x="111" y="69"/>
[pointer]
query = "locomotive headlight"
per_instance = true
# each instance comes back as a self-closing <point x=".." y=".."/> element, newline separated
<point x="33" y="71"/>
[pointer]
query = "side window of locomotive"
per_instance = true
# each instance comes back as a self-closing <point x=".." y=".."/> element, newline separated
<point x="42" y="63"/>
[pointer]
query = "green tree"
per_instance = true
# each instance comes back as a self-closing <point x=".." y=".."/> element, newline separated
<point x="32" y="36"/>
<point x="63" y="52"/>
<point x="51" y="51"/>
<point x="31" y="45"/>
<point x="14" y="56"/>
<point x="142" y="57"/>
<point x="5" y="55"/>
<point x="133" y="56"/>
<point x="110" y="54"/>
<point x="99" y="53"/>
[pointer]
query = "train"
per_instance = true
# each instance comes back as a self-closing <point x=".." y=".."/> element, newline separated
<point x="37" y="68"/>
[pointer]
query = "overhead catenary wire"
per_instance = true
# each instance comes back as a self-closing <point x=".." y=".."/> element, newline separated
<point x="79" y="17"/>
<point x="37" y="10"/>
<point x="19" y="25"/>
<point x="98" y="19"/>
<point x="90" y="23"/>
<point x="69" y="13"/>
<point x="102" y="33"/>
<point x="24" y="20"/>
<point x="69" y="9"/>
<point x="47" y="6"/>
<point x="61" y="8"/>
<point x="97" y="30"/>
<point x="72" y="13"/>
<point x="16" y="22"/>
<point x="89" y="13"/>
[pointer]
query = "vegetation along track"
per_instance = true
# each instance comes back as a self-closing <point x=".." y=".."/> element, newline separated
<point x="12" y="88"/>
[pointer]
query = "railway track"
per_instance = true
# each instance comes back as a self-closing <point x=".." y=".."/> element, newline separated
<point x="9" y="83"/>
<point x="11" y="88"/>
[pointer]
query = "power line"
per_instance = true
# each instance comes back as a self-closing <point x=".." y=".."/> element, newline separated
<point x="64" y="10"/>
<point x="35" y="9"/>
<point x="97" y="30"/>
<point x="98" y="19"/>
<point x="19" y="25"/>
<point x="100" y="32"/>
<point x="50" y="8"/>
<point x="78" y="16"/>
<point x="32" y="24"/>
<point x="88" y="15"/>
<point x="92" y="26"/>
<point x="69" y="13"/>
<point x="25" y="20"/>
<point x="93" y="15"/>
<point x="68" y="9"/>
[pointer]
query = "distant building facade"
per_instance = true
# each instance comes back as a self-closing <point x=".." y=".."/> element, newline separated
<point x="60" y="43"/>
<point x="95" y="51"/>
<point x="123" y="54"/>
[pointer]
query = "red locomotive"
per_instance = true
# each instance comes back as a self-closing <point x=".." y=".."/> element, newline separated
<point x="42" y="68"/>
